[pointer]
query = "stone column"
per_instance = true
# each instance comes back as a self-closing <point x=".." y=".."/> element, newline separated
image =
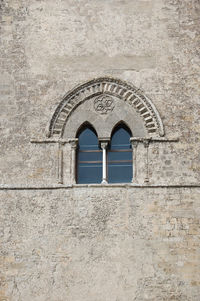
<point x="104" y="146"/>
<point x="60" y="163"/>
<point x="74" y="143"/>
<point x="134" y="158"/>
<point x="146" y="145"/>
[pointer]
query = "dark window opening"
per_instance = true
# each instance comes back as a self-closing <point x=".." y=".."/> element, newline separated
<point x="119" y="164"/>
<point x="89" y="157"/>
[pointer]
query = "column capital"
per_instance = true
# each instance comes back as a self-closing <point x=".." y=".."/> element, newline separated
<point x="134" y="143"/>
<point x="104" y="142"/>
<point x="146" y="143"/>
<point x="104" y="145"/>
<point x="144" y="140"/>
<point x="73" y="142"/>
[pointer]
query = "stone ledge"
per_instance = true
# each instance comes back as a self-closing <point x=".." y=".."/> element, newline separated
<point x="7" y="187"/>
<point x="133" y="139"/>
<point x="152" y="139"/>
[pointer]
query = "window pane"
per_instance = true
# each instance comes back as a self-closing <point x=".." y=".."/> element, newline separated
<point x="88" y="140"/>
<point x="120" y="168"/>
<point x="120" y="172"/>
<point x="121" y="139"/>
<point x="89" y="158"/>
<point x="119" y="155"/>
<point x="89" y="173"/>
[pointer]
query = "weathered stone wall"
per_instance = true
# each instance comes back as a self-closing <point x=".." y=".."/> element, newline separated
<point x="101" y="244"/>
<point x="98" y="243"/>
<point x="48" y="47"/>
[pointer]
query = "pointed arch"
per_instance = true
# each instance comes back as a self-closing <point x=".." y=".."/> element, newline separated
<point x="106" y="85"/>
<point x="84" y="125"/>
<point x="123" y="124"/>
<point x="89" y="156"/>
<point x="120" y="159"/>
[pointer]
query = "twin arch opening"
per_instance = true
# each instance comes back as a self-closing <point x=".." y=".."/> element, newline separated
<point x="135" y="103"/>
<point x="104" y="155"/>
<point x="110" y="162"/>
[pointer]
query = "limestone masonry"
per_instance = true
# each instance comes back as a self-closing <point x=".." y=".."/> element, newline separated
<point x="67" y="62"/>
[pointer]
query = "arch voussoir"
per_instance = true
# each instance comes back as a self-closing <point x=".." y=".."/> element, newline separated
<point x="131" y="95"/>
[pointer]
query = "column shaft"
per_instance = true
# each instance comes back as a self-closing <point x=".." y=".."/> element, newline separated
<point x="104" y="169"/>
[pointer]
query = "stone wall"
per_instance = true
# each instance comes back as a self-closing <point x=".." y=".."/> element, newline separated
<point x="48" y="47"/>
<point x="115" y="243"/>
<point x="101" y="244"/>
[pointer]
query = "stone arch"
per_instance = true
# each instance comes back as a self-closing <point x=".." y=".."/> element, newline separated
<point x="86" y="124"/>
<point x="105" y="85"/>
<point x="123" y="123"/>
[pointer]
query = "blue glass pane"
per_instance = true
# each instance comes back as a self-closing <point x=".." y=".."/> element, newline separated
<point x="120" y="173"/>
<point x="89" y="173"/>
<point x="121" y="139"/>
<point x="90" y="156"/>
<point x="88" y="140"/>
<point x="119" y="156"/>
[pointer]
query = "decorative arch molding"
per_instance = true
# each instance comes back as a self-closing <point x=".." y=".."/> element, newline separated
<point x="105" y="85"/>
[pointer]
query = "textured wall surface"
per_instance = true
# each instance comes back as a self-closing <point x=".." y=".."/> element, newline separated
<point x="48" y="47"/>
<point x="101" y="244"/>
<point x="98" y="243"/>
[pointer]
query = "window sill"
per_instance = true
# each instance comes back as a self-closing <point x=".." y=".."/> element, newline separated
<point x="103" y="185"/>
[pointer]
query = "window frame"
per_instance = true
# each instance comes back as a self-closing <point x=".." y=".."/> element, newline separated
<point x="79" y="151"/>
<point x="105" y="144"/>
<point x="120" y="148"/>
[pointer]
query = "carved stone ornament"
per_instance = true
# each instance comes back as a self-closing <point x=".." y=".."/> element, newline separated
<point x="104" y="104"/>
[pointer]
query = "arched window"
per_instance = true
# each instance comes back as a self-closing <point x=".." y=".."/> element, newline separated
<point x="89" y="156"/>
<point x="120" y="165"/>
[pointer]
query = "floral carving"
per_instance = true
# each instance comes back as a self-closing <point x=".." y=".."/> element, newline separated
<point x="104" y="104"/>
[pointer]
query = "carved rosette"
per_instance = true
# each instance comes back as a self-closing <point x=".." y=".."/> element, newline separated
<point x="104" y="104"/>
